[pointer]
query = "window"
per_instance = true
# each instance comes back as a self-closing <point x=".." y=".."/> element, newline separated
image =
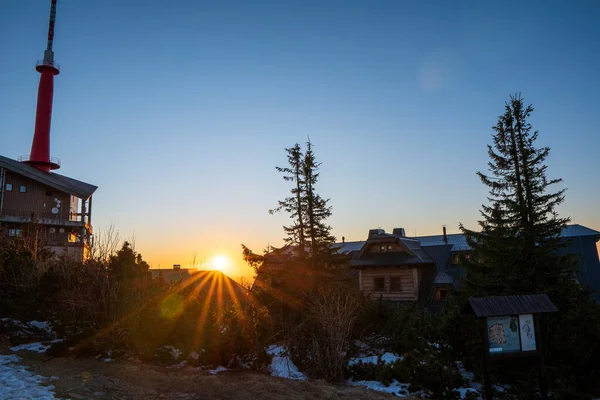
<point x="389" y="247"/>
<point x="23" y="189"/>
<point x="440" y="294"/>
<point x="379" y="284"/>
<point x="395" y="284"/>
<point x="73" y="238"/>
<point x="8" y="187"/>
<point x="382" y="247"/>
<point x="15" y="232"/>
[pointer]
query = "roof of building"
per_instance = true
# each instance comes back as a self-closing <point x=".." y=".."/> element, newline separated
<point x="458" y="240"/>
<point x="413" y="253"/>
<point x="443" y="278"/>
<point x="60" y="182"/>
<point x="575" y="230"/>
<point x="509" y="305"/>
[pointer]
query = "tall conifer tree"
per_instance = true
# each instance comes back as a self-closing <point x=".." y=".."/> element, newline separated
<point x="316" y="208"/>
<point x="296" y="232"/>
<point x="516" y="250"/>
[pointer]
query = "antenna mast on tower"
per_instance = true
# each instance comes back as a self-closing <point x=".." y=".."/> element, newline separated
<point x="40" y="147"/>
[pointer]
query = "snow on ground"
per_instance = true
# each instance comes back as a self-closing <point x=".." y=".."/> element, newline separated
<point x="38" y="347"/>
<point x="468" y="376"/>
<point x="180" y="365"/>
<point x="386" y="358"/>
<point x="396" y="388"/>
<point x="282" y="366"/>
<point x="217" y="370"/>
<point x="463" y="392"/>
<point x="43" y="325"/>
<point x="18" y="383"/>
<point x="175" y="352"/>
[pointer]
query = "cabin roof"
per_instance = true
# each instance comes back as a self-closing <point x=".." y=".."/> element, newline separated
<point x="509" y="305"/>
<point x="458" y="240"/>
<point x="60" y="182"/>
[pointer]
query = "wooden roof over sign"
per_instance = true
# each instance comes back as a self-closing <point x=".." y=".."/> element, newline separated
<point x="509" y="305"/>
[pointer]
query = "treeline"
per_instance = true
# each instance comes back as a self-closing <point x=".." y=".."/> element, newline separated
<point x="110" y="305"/>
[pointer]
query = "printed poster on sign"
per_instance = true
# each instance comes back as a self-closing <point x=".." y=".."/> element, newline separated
<point x="527" y="332"/>
<point x="503" y="334"/>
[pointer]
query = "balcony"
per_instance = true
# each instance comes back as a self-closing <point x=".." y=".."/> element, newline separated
<point x="44" y="218"/>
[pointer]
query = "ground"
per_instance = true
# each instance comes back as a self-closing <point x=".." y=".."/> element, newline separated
<point x="88" y="378"/>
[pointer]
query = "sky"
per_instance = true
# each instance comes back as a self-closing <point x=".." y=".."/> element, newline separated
<point x="179" y="111"/>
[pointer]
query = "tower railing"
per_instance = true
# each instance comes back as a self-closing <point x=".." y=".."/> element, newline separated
<point x="26" y="158"/>
<point x="47" y="63"/>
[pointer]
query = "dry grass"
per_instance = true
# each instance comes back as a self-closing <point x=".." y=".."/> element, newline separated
<point x="124" y="380"/>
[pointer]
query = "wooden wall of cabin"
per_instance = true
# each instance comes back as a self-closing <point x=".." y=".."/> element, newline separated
<point x="38" y="198"/>
<point x="409" y="278"/>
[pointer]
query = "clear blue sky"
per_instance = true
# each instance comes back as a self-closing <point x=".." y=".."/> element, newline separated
<point x="180" y="110"/>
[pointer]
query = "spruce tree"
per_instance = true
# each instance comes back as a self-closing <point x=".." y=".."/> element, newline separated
<point x="296" y="232"/>
<point x="516" y="250"/>
<point x="316" y="208"/>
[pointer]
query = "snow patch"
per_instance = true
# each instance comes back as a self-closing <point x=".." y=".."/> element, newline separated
<point x="217" y="370"/>
<point x="38" y="347"/>
<point x="463" y="392"/>
<point x="395" y="388"/>
<point x="468" y="376"/>
<point x="43" y="325"/>
<point x="177" y="366"/>
<point x="281" y="365"/>
<point x="386" y="358"/>
<point x="175" y="352"/>
<point x="18" y="383"/>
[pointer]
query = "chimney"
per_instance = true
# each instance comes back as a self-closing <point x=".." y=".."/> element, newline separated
<point x="343" y="239"/>
<point x="445" y="236"/>
<point x="375" y="232"/>
<point x="176" y="266"/>
<point x="40" y="147"/>
<point x="399" y="232"/>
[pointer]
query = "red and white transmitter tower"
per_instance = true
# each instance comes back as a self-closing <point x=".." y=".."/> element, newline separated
<point x="40" y="147"/>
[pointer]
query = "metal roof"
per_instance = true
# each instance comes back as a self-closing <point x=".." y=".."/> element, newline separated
<point x="509" y="305"/>
<point x="347" y="247"/>
<point x="60" y="182"/>
<point x="459" y="242"/>
<point x="578" y="230"/>
<point x="443" y="278"/>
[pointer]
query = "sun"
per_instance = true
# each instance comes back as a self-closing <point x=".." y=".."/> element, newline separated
<point x="220" y="263"/>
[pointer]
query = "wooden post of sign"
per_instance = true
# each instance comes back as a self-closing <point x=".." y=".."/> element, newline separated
<point x="486" y="360"/>
<point x="540" y="350"/>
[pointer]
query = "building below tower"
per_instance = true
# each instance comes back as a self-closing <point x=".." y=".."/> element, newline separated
<point x="55" y="208"/>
